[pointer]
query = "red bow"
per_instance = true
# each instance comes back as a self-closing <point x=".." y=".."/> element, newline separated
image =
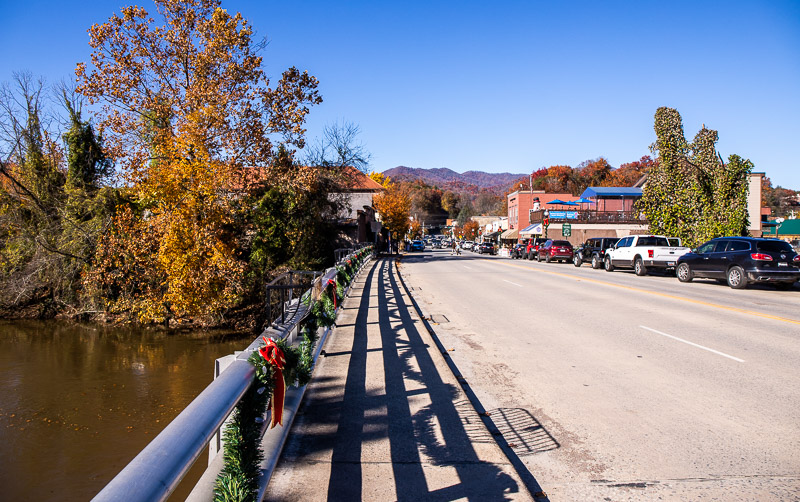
<point x="333" y="291"/>
<point x="274" y="356"/>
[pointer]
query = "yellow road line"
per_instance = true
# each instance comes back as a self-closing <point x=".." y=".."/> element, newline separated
<point x="656" y="293"/>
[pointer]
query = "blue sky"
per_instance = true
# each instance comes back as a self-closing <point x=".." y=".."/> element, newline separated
<point x="504" y="86"/>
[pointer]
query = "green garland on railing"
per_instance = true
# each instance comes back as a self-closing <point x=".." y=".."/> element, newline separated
<point x="242" y="453"/>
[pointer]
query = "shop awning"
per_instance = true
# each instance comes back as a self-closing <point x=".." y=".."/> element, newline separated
<point x="510" y="234"/>
<point x="491" y="235"/>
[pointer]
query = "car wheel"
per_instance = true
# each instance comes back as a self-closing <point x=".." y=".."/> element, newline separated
<point x="538" y="257"/>
<point x="736" y="277"/>
<point x="548" y="258"/>
<point x="608" y="265"/>
<point x="596" y="263"/>
<point x="577" y="260"/>
<point x="639" y="267"/>
<point x="684" y="273"/>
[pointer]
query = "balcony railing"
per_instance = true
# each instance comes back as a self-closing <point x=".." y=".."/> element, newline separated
<point x="588" y="216"/>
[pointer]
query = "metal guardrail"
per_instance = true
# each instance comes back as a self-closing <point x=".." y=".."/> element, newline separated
<point x="283" y="290"/>
<point x="158" y="469"/>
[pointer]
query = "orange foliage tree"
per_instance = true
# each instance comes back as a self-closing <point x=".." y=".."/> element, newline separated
<point x="189" y="116"/>
<point x="470" y="230"/>
<point x="394" y="206"/>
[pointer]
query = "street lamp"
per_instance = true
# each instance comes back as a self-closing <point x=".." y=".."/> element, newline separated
<point x="546" y="222"/>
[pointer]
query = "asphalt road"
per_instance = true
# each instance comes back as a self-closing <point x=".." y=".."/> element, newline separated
<point x="618" y="387"/>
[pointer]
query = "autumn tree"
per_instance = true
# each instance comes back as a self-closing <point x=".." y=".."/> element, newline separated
<point x="470" y="230"/>
<point x="394" y="206"/>
<point x="629" y="173"/>
<point x="192" y="122"/>
<point x="691" y="192"/>
<point x="451" y="203"/>
<point x="781" y="201"/>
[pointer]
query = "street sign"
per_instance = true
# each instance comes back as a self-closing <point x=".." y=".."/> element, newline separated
<point x="566" y="230"/>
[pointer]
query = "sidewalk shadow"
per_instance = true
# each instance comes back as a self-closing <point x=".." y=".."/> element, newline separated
<point x="421" y="439"/>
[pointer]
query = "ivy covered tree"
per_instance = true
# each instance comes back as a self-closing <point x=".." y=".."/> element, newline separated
<point x="54" y="204"/>
<point x="691" y="192"/>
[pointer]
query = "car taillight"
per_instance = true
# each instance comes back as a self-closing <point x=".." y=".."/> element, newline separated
<point x="797" y="258"/>
<point x="760" y="256"/>
<point x="649" y="253"/>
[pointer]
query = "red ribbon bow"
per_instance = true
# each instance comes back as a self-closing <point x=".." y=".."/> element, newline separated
<point x="274" y="356"/>
<point x="333" y="283"/>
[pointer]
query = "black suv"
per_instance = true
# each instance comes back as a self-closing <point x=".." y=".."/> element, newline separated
<point x="518" y="251"/>
<point x="484" y="247"/>
<point x="741" y="260"/>
<point x="592" y="251"/>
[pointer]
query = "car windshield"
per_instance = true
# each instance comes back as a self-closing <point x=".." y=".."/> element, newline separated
<point x="774" y="247"/>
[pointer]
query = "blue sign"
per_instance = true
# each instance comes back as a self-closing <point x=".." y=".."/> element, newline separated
<point x="564" y="215"/>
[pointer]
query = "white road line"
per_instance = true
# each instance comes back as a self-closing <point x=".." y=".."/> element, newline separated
<point x="692" y="344"/>
<point x="468" y="268"/>
<point x="514" y="283"/>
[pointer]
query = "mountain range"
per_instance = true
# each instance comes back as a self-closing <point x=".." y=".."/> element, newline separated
<point x="444" y="178"/>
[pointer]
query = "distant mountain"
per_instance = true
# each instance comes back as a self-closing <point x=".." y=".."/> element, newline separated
<point x="449" y="179"/>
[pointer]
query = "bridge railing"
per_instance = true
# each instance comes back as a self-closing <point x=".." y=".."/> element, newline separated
<point x="158" y="469"/>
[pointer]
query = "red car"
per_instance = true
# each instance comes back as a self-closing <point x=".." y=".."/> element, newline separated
<point x="532" y="247"/>
<point x="555" y="250"/>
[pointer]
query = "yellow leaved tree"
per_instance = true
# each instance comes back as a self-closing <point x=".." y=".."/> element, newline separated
<point x="191" y="120"/>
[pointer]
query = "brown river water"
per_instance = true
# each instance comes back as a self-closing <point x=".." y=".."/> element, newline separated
<point x="78" y="402"/>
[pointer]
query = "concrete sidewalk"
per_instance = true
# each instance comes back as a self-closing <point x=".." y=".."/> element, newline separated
<point x="384" y="418"/>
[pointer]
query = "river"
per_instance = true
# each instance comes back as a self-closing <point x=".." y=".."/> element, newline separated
<point x="78" y="402"/>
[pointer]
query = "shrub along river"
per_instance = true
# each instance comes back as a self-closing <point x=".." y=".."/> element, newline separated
<point x="78" y="402"/>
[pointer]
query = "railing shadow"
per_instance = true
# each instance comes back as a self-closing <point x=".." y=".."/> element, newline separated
<point x="416" y="413"/>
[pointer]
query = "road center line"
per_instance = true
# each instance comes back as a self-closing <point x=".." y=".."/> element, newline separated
<point x="656" y="293"/>
<point x="466" y="267"/>
<point x="514" y="283"/>
<point x="692" y="344"/>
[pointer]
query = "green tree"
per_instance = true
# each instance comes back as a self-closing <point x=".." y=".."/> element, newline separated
<point x="52" y="208"/>
<point x="465" y="214"/>
<point x="690" y="192"/>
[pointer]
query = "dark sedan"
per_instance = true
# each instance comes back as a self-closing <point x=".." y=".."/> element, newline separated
<point x="554" y="250"/>
<point x="739" y="261"/>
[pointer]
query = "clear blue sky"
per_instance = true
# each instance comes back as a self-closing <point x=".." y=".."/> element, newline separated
<point x="504" y="86"/>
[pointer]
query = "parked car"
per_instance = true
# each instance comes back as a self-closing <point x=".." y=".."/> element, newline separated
<point x="532" y="247"/>
<point x="643" y="252"/>
<point x="417" y="245"/>
<point x="739" y="261"/>
<point x="467" y="245"/>
<point x="518" y="251"/>
<point x="485" y="247"/>
<point x="555" y="250"/>
<point x="592" y="251"/>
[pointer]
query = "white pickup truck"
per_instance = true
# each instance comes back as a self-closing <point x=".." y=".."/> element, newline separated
<point x="642" y="252"/>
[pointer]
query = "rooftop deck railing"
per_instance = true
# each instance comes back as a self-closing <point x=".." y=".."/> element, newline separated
<point x="158" y="469"/>
<point x="587" y="216"/>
